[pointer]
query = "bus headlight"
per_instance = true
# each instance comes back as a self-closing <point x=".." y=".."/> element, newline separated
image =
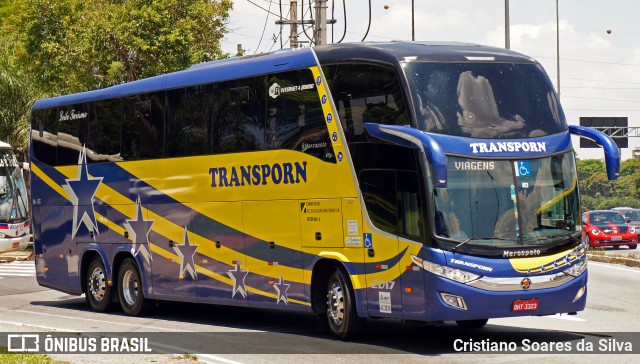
<point x="577" y="269"/>
<point x="454" y="274"/>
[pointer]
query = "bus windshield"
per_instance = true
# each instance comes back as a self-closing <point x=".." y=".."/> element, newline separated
<point x="13" y="192"/>
<point x="492" y="100"/>
<point x="508" y="203"/>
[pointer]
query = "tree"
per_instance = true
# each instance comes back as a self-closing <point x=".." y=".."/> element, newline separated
<point x="597" y="192"/>
<point x="17" y="94"/>
<point x="78" y="45"/>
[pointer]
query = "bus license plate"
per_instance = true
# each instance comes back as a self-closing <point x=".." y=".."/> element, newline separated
<point x="525" y="305"/>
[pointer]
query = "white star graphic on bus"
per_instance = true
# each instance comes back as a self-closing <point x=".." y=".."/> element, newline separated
<point x="281" y="290"/>
<point x="138" y="229"/>
<point x="239" y="279"/>
<point x="81" y="191"/>
<point x="189" y="251"/>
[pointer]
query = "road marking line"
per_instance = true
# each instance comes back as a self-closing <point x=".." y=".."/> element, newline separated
<point x="614" y="267"/>
<point x="214" y="357"/>
<point x="24" y="324"/>
<point x="566" y="317"/>
<point x="141" y="326"/>
<point x="16" y="275"/>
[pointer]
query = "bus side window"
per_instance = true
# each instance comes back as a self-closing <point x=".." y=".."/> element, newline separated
<point x="239" y="116"/>
<point x="103" y="135"/>
<point x="143" y="126"/>
<point x="72" y="131"/>
<point x="44" y="135"/>
<point x="366" y="93"/>
<point x="411" y="221"/>
<point x="188" y="121"/>
<point x="296" y="120"/>
<point x="379" y="193"/>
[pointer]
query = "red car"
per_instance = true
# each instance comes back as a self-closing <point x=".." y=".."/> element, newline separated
<point x="607" y="228"/>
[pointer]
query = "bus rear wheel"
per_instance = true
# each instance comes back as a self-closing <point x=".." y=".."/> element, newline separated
<point x="472" y="324"/>
<point x="130" y="293"/>
<point x="342" y="318"/>
<point x="98" y="290"/>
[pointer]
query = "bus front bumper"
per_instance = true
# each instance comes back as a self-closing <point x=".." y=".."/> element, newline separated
<point x="452" y="301"/>
<point x="9" y="244"/>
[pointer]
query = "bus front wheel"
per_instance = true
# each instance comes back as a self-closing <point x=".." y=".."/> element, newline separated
<point x="472" y="324"/>
<point x="98" y="290"/>
<point x="341" y="308"/>
<point x="130" y="293"/>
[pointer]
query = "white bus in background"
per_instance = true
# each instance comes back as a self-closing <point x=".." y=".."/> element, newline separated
<point x="14" y="205"/>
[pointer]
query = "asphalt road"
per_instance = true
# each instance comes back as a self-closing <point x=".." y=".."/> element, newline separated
<point x="242" y="335"/>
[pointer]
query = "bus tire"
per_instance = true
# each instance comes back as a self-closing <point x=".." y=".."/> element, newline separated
<point x="130" y="291"/>
<point x="341" y="314"/>
<point x="472" y="324"/>
<point x="98" y="290"/>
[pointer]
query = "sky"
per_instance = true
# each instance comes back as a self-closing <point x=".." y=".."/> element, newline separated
<point x="599" y="70"/>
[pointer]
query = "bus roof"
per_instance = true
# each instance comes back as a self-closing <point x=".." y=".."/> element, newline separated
<point x="282" y="60"/>
<point x="401" y="51"/>
<point x="225" y="69"/>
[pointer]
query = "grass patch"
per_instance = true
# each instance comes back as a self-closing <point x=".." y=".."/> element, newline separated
<point x="22" y="358"/>
<point x="187" y="357"/>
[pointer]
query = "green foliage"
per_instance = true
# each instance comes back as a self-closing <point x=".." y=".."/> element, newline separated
<point x="6" y="7"/>
<point x="78" y="45"/>
<point x="17" y="94"/>
<point x="597" y="192"/>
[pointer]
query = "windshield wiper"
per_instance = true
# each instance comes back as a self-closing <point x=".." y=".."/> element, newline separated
<point x="565" y="235"/>
<point x="479" y="238"/>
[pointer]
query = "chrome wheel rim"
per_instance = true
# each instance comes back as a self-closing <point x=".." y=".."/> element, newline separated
<point x="130" y="288"/>
<point x="335" y="304"/>
<point x="97" y="284"/>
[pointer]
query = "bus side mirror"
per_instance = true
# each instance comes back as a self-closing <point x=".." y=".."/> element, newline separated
<point x="611" y="152"/>
<point x="414" y="138"/>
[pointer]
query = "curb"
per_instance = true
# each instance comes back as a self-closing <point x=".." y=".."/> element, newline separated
<point x="629" y="262"/>
<point x="15" y="256"/>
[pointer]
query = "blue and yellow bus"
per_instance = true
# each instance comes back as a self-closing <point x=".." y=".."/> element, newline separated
<point x="415" y="181"/>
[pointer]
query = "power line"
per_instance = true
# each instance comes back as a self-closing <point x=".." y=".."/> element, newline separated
<point x="267" y="10"/>
<point x="600" y="99"/>
<point x="265" y="26"/>
<point x="591" y="80"/>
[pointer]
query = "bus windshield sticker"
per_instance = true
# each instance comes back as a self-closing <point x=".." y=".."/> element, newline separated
<point x="523" y="168"/>
<point x="474" y="166"/>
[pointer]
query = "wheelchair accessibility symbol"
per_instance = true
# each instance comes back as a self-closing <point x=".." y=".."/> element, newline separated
<point x="522" y="168"/>
<point x="368" y="241"/>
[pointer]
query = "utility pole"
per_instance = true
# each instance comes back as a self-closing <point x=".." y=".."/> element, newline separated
<point x="507" y="35"/>
<point x="320" y="27"/>
<point x="293" y="28"/>
<point x="319" y="24"/>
